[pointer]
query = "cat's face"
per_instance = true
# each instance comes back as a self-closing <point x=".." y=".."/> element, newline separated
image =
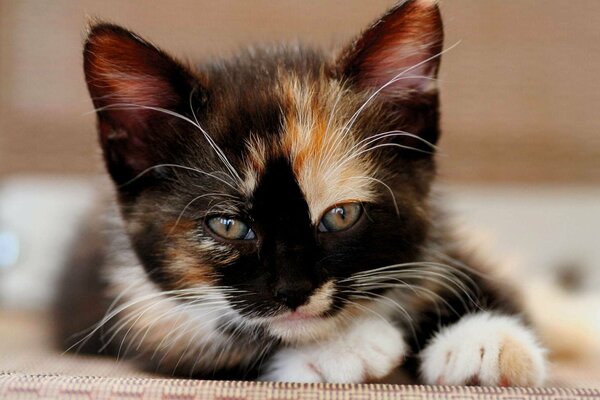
<point x="276" y="177"/>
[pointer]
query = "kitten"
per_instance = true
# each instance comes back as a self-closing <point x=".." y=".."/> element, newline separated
<point x="276" y="220"/>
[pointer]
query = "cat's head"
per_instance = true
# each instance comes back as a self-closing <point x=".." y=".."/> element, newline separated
<point x="273" y="178"/>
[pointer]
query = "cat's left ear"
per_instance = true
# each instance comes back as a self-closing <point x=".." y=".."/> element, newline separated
<point x="137" y="90"/>
<point x="399" y="53"/>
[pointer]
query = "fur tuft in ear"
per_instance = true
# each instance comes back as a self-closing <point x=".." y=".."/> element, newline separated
<point x="129" y="80"/>
<point x="400" y="52"/>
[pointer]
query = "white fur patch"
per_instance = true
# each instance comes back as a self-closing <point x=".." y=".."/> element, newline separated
<point x="148" y="319"/>
<point x="369" y="349"/>
<point x="486" y="349"/>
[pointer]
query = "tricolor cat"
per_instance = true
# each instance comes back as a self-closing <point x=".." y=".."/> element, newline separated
<point x="275" y="220"/>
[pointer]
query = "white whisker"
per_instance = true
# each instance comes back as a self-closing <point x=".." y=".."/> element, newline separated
<point x="396" y="78"/>
<point x="209" y="139"/>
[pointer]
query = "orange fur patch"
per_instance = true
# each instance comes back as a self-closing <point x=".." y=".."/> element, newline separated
<point x="324" y="155"/>
<point x="516" y="367"/>
<point x="186" y="268"/>
<point x="185" y="257"/>
<point x="328" y="161"/>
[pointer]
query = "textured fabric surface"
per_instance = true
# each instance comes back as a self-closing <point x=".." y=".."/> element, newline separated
<point x="30" y="367"/>
<point x="45" y="386"/>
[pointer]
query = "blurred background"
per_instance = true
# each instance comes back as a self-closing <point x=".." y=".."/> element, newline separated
<point x="520" y="157"/>
<point x="520" y="91"/>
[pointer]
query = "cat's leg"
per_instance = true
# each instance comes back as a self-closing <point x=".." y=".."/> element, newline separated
<point x="370" y="349"/>
<point x="484" y="349"/>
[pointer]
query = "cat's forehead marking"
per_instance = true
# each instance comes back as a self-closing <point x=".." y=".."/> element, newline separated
<point x="323" y="154"/>
<point x="255" y="164"/>
<point x="325" y="157"/>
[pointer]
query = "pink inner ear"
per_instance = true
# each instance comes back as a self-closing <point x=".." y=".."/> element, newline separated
<point x="398" y="51"/>
<point x="132" y="94"/>
<point x="400" y="66"/>
<point x="134" y="87"/>
<point x="137" y="89"/>
<point x="124" y="74"/>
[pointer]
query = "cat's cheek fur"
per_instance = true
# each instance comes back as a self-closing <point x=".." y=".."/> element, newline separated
<point x="369" y="350"/>
<point x="485" y="349"/>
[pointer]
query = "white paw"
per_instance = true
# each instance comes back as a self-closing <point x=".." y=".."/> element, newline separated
<point x="484" y="349"/>
<point x="369" y="350"/>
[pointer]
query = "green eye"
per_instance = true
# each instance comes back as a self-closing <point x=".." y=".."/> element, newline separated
<point x="230" y="228"/>
<point x="340" y="217"/>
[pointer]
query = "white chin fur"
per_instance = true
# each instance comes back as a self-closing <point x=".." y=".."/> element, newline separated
<point x="304" y="331"/>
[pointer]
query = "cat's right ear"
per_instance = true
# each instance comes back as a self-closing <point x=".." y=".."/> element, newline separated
<point x="135" y="88"/>
<point x="397" y="60"/>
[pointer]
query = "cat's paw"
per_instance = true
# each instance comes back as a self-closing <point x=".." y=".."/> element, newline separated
<point x="369" y="350"/>
<point x="484" y="349"/>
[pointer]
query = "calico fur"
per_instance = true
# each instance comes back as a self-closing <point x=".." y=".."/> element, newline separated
<point x="275" y="137"/>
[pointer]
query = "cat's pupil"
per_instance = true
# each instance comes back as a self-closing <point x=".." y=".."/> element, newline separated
<point x="338" y="215"/>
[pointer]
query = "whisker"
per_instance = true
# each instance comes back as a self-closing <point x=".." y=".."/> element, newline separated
<point x="394" y="133"/>
<point x="380" y="299"/>
<point x="196" y="170"/>
<point x="211" y="142"/>
<point x="191" y="202"/>
<point x="115" y="309"/>
<point x="370" y="178"/>
<point x="397" y="77"/>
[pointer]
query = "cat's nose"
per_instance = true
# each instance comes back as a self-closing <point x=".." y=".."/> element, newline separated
<point x="293" y="297"/>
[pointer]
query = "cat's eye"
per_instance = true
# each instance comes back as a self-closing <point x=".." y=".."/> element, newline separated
<point x="340" y="217"/>
<point x="230" y="228"/>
